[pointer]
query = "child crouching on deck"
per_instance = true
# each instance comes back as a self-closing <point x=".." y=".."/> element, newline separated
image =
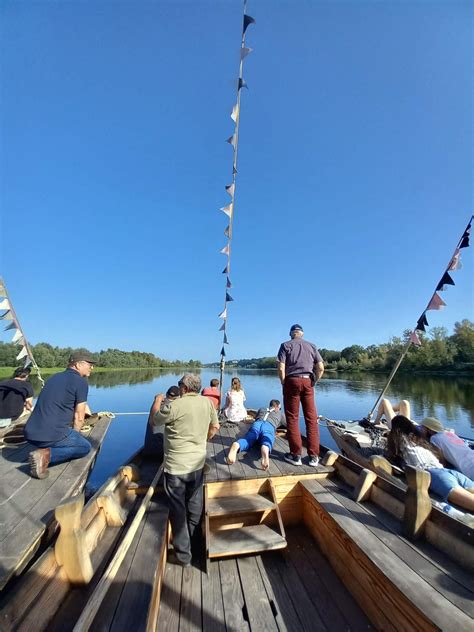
<point x="262" y="430"/>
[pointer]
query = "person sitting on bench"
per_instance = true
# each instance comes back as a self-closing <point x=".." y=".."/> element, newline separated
<point x="16" y="397"/>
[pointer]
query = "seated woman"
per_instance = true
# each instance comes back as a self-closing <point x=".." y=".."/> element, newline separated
<point x="388" y="410"/>
<point x="235" y="410"/>
<point x="404" y="443"/>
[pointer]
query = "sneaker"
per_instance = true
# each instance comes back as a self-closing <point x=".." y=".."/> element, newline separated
<point x="294" y="459"/>
<point x="313" y="461"/>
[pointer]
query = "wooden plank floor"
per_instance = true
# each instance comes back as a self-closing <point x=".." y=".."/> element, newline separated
<point x="292" y="589"/>
<point x="248" y="464"/>
<point x="27" y="504"/>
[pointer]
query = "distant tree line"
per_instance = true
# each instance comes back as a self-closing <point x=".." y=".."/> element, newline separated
<point x="438" y="351"/>
<point x="47" y="356"/>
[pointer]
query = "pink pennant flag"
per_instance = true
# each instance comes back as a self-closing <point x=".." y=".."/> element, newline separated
<point x="235" y="113"/>
<point x="230" y="188"/>
<point x="225" y="250"/>
<point x="228" y="209"/>
<point x="455" y="263"/>
<point x="436" y="303"/>
<point x="223" y="314"/>
<point x="414" y="339"/>
<point x="23" y="353"/>
<point x="5" y="304"/>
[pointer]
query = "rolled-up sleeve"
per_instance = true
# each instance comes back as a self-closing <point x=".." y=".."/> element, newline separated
<point x="163" y="416"/>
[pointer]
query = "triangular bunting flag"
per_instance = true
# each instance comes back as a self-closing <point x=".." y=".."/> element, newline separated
<point x="414" y="339"/>
<point x="226" y="342"/>
<point x="225" y="250"/>
<point x="23" y="353"/>
<point x="242" y="84"/>
<point x="230" y="188"/>
<point x="4" y="304"/>
<point x="228" y="297"/>
<point x="465" y="240"/>
<point x="227" y="231"/>
<point x="244" y="52"/>
<point x="436" y="303"/>
<point x="455" y="263"/>
<point x="226" y="270"/>
<point x="234" y="170"/>
<point x="229" y="284"/>
<point x="235" y="113"/>
<point x="223" y="352"/>
<point x="12" y="325"/>
<point x="7" y="316"/>
<point x="17" y="336"/>
<point x="223" y="314"/>
<point x="232" y="140"/>
<point x="222" y="327"/>
<point x="422" y="323"/>
<point x="248" y="20"/>
<point x="28" y="361"/>
<point x="227" y="209"/>
<point x="445" y="280"/>
<point x="2" y="289"/>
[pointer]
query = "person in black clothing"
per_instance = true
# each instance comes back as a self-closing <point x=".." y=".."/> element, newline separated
<point x="16" y="396"/>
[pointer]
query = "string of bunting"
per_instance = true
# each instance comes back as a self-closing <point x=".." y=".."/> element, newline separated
<point x="228" y="210"/>
<point x="19" y="337"/>
<point x="436" y="302"/>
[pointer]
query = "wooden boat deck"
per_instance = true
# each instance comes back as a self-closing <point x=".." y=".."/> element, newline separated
<point x="27" y="504"/>
<point x="292" y="589"/>
<point x="247" y="465"/>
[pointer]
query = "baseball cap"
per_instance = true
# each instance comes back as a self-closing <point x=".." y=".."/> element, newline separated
<point x="173" y="391"/>
<point x="432" y="424"/>
<point x="81" y="356"/>
<point x="295" y="328"/>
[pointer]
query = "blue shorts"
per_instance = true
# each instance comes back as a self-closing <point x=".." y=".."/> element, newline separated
<point x="444" y="480"/>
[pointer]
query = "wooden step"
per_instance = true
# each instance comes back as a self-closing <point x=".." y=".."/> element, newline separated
<point x="229" y="505"/>
<point x="252" y="539"/>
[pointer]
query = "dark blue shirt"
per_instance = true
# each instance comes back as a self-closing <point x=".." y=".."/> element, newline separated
<point x="299" y="356"/>
<point x="13" y="394"/>
<point x="53" y="414"/>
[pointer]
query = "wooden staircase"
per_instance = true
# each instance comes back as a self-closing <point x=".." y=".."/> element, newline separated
<point x="241" y="523"/>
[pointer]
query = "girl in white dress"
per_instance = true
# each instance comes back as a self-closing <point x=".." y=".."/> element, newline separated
<point x="235" y="410"/>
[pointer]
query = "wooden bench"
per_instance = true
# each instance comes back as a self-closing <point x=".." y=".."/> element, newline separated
<point x="376" y="567"/>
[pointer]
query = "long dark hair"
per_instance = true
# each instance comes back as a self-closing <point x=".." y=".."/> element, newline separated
<point x="402" y="426"/>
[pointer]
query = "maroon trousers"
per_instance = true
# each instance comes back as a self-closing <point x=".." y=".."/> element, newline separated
<point x="296" y="390"/>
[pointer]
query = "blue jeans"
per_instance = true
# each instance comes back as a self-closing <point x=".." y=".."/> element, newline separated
<point x="73" y="446"/>
<point x="260" y="430"/>
<point x="444" y="480"/>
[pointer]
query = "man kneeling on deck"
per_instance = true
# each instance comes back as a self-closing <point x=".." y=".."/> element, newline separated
<point x="58" y="416"/>
<point x="189" y="422"/>
<point x="262" y="430"/>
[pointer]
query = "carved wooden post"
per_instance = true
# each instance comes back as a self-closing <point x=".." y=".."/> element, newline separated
<point x="131" y="471"/>
<point x="364" y="485"/>
<point x="380" y="464"/>
<point x="71" y="548"/>
<point x="330" y="458"/>
<point x="115" y="514"/>
<point x="417" y="502"/>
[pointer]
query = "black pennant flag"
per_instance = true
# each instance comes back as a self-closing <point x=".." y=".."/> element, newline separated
<point x="229" y="284"/>
<point x="226" y="342"/>
<point x="465" y="240"/>
<point x="226" y="270"/>
<point x="248" y="20"/>
<point x="228" y="298"/>
<point x="242" y="84"/>
<point x="223" y="352"/>
<point x="422" y="323"/>
<point x="234" y="170"/>
<point x="445" y="280"/>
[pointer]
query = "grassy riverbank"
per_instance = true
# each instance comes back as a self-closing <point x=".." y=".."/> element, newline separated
<point x="7" y="371"/>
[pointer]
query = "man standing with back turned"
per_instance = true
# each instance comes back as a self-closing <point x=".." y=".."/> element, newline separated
<point x="299" y="366"/>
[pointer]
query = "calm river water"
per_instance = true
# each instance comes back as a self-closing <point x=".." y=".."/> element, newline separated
<point x="348" y="396"/>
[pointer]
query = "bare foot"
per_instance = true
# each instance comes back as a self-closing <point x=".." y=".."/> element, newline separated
<point x="232" y="455"/>
<point x="265" y="457"/>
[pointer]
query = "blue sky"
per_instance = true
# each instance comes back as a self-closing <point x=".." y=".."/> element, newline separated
<point x="354" y="181"/>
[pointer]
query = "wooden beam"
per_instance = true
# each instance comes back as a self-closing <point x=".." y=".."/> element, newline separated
<point x="364" y="484"/>
<point x="381" y="464"/>
<point x="71" y="546"/>
<point x="115" y="514"/>
<point x="330" y="458"/>
<point x="417" y="503"/>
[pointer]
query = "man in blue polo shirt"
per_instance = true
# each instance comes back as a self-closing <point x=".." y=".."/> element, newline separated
<point x="58" y="416"/>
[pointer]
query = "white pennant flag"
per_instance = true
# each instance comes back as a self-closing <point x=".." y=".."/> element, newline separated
<point x="223" y="314"/>
<point x="225" y="250"/>
<point x="2" y="289"/>
<point x="23" y="353"/>
<point x="4" y="304"/>
<point x="230" y="188"/>
<point x="228" y="209"/>
<point x="7" y="316"/>
<point x="17" y="336"/>
<point x="235" y="113"/>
